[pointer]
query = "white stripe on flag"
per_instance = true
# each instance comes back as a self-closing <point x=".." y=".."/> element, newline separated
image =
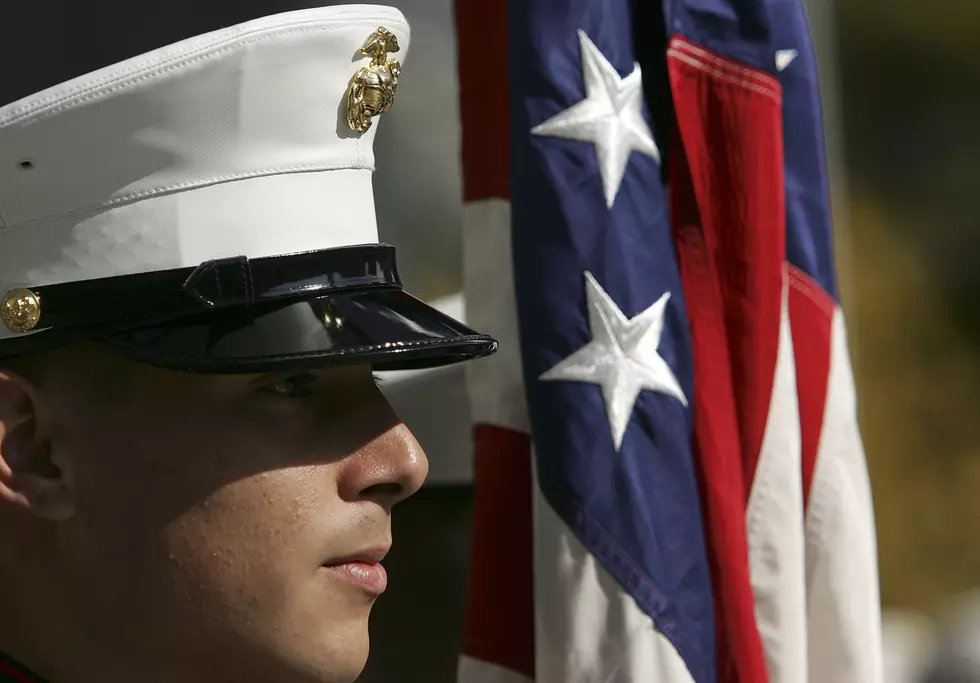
<point x="475" y="671"/>
<point x="841" y="557"/>
<point x="774" y="522"/>
<point x="587" y="628"/>
<point x="495" y="384"/>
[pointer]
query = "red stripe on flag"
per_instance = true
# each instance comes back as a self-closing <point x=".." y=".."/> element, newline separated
<point x="811" y="311"/>
<point x="727" y="203"/>
<point x="499" y="624"/>
<point x="731" y="128"/>
<point x="483" y="98"/>
<point x="500" y="612"/>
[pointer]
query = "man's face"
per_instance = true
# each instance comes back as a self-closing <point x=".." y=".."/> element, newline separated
<point x="228" y="525"/>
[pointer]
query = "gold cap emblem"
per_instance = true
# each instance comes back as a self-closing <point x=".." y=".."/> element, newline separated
<point x="20" y="310"/>
<point x="372" y="89"/>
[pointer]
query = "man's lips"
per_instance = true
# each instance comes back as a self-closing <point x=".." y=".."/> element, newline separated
<point x="372" y="555"/>
<point x="362" y="569"/>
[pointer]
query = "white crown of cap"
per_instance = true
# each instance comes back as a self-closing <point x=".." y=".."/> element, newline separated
<point x="231" y="143"/>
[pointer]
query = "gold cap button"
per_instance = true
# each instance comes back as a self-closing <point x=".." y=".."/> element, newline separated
<point x="20" y="310"/>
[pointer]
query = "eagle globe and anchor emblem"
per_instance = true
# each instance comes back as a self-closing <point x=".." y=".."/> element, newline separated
<point x="372" y="89"/>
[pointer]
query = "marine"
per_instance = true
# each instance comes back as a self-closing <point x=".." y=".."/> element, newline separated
<point x="197" y="468"/>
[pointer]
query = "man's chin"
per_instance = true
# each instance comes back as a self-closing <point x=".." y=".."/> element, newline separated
<point x="338" y="655"/>
<point x="321" y="650"/>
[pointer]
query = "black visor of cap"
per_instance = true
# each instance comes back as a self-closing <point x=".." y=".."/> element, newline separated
<point x="331" y="306"/>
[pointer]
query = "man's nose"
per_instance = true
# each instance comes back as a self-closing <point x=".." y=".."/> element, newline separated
<point x="387" y="470"/>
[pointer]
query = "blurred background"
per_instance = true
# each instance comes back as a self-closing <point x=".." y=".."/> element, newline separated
<point x="908" y="99"/>
<point x="902" y="97"/>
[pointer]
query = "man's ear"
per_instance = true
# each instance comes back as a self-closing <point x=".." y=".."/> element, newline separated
<point x="29" y="476"/>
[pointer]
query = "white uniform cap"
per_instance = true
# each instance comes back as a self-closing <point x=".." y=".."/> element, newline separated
<point x="233" y="143"/>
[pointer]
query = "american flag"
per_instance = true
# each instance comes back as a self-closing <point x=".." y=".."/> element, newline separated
<point x="670" y="481"/>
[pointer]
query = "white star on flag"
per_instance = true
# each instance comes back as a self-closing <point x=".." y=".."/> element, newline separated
<point x="610" y="117"/>
<point x="785" y="57"/>
<point x="622" y="357"/>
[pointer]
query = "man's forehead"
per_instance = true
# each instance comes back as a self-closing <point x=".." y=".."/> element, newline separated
<point x="82" y="364"/>
<point x="85" y="361"/>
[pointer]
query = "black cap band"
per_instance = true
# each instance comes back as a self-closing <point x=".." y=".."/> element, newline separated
<point x="238" y="281"/>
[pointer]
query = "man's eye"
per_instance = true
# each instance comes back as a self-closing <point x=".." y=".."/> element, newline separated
<point x="301" y="385"/>
<point x="297" y="386"/>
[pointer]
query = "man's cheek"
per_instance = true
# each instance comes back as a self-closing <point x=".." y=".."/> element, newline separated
<point x="228" y="571"/>
<point x="246" y="527"/>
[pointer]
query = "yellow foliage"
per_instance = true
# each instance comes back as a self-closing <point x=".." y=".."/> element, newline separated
<point x="919" y="389"/>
